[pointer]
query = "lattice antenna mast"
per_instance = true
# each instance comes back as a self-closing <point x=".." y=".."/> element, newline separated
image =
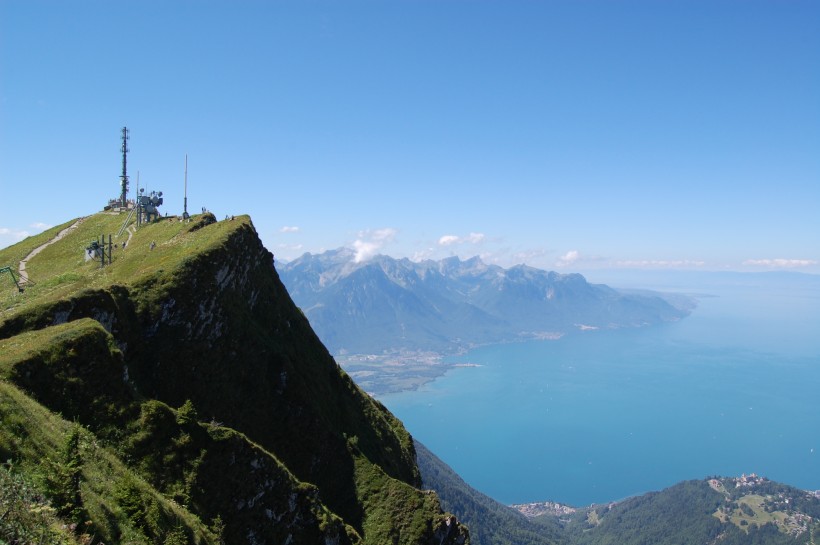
<point x="124" y="176"/>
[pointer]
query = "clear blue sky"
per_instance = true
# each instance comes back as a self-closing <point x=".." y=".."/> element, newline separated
<point x="565" y="135"/>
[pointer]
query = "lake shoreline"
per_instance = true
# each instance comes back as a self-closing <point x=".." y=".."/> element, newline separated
<point x="614" y="413"/>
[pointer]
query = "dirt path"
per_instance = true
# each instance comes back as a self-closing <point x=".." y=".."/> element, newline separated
<point x="21" y="269"/>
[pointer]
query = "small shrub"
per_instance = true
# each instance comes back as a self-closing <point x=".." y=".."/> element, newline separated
<point x="177" y="536"/>
<point x="187" y="413"/>
<point x="218" y="529"/>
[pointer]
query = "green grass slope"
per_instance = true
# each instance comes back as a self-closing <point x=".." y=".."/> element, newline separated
<point x="89" y="489"/>
<point x="192" y="315"/>
<point x="75" y="368"/>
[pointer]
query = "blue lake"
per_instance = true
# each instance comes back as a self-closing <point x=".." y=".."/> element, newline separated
<point x="601" y="415"/>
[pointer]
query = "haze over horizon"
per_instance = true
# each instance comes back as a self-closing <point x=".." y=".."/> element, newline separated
<point x="564" y="135"/>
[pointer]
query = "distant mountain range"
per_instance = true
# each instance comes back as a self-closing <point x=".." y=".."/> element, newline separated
<point x="387" y="304"/>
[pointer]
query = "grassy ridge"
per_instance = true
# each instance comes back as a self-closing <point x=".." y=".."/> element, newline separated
<point x="192" y="315"/>
<point x="61" y="269"/>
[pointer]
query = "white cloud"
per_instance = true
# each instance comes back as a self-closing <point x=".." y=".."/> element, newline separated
<point x="14" y="234"/>
<point x="370" y="242"/>
<point x="447" y="240"/>
<point x="364" y="250"/>
<point x="659" y="263"/>
<point x="383" y="235"/>
<point x="530" y="257"/>
<point x="9" y="237"/>
<point x="421" y="255"/>
<point x="289" y="229"/>
<point x="781" y="263"/>
<point x="472" y="238"/>
<point x="569" y="258"/>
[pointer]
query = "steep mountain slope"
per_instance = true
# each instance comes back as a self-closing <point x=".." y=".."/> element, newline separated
<point x="386" y="304"/>
<point x="193" y="316"/>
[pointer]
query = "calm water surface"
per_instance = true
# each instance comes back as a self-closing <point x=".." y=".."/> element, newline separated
<point x="602" y="415"/>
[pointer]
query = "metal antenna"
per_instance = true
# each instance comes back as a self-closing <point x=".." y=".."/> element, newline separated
<point x="138" y="203"/>
<point x="124" y="176"/>
<point x="185" y="201"/>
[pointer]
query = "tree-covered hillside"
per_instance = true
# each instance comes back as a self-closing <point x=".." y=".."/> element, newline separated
<point x="736" y="511"/>
<point x="745" y="510"/>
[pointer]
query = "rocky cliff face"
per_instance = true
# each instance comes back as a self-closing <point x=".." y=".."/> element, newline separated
<point x="205" y="325"/>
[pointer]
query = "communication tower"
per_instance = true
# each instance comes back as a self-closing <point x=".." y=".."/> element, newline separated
<point x="124" y="176"/>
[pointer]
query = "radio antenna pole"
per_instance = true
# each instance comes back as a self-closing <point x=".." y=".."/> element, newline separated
<point x="124" y="176"/>
<point x="185" y="200"/>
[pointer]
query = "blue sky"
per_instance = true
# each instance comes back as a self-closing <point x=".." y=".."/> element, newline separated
<point x="565" y="135"/>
